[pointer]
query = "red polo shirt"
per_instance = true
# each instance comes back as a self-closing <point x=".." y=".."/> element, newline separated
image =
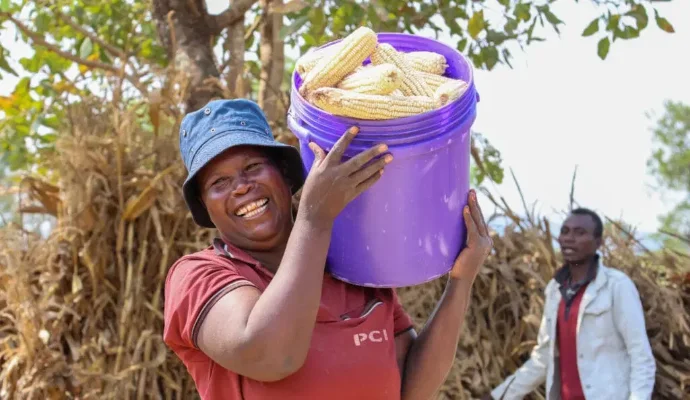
<point x="352" y="352"/>
<point x="571" y="387"/>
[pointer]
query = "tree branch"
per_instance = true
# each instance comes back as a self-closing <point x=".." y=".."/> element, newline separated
<point x="228" y="17"/>
<point x="247" y="35"/>
<point x="40" y="41"/>
<point x="94" y="38"/>
<point x="675" y="235"/>
<point x="272" y="56"/>
<point x="235" y="45"/>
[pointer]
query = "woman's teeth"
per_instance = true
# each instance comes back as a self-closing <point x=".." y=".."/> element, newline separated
<point x="252" y="209"/>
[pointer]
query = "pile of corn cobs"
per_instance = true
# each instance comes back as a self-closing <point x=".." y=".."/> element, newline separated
<point x="393" y="85"/>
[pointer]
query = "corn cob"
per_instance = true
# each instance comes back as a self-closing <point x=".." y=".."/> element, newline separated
<point x="351" y="104"/>
<point x="307" y="62"/>
<point x="353" y="50"/>
<point x="449" y="91"/>
<point x="412" y="84"/>
<point x="381" y="79"/>
<point x="433" y="80"/>
<point x="427" y="61"/>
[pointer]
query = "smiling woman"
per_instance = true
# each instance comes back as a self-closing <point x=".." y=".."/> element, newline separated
<point x="247" y="197"/>
<point x="255" y="315"/>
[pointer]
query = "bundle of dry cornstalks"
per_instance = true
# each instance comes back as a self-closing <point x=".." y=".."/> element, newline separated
<point x="81" y="311"/>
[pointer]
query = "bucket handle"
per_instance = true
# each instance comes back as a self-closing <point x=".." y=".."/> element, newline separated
<point x="298" y="129"/>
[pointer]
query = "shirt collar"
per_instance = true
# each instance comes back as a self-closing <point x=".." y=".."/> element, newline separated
<point x="223" y="248"/>
<point x="563" y="274"/>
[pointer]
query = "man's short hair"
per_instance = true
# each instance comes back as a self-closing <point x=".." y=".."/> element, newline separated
<point x="598" y="224"/>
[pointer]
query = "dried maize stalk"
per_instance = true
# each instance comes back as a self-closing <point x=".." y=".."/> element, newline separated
<point x="449" y="92"/>
<point x="427" y="61"/>
<point x="380" y="79"/>
<point x="351" y="104"/>
<point x="411" y="84"/>
<point x="433" y="80"/>
<point x="353" y="50"/>
<point x="308" y="61"/>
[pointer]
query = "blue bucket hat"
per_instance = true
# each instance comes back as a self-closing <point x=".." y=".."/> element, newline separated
<point x="219" y="126"/>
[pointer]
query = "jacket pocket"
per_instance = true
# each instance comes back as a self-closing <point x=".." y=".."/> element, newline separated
<point x="597" y="319"/>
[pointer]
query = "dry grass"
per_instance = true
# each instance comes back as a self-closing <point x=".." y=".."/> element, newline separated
<point x="508" y="301"/>
<point x="81" y="316"/>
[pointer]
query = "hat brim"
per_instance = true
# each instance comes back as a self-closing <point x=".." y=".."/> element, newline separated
<point x="224" y="141"/>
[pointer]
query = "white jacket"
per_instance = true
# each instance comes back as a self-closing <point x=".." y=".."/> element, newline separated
<point x="615" y="358"/>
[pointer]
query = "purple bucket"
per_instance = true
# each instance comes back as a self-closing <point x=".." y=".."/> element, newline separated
<point x="408" y="228"/>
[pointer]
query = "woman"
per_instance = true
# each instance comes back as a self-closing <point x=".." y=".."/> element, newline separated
<point x="255" y="316"/>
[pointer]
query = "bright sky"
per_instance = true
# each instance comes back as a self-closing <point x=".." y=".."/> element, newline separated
<point x="561" y="106"/>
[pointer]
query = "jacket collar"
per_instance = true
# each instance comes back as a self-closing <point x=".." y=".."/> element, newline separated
<point x="592" y="291"/>
<point x="563" y="274"/>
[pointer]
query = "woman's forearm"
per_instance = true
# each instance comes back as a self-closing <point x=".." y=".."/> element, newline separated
<point x="285" y="314"/>
<point x="431" y="355"/>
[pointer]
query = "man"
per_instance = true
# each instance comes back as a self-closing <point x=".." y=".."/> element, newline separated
<point x="592" y="341"/>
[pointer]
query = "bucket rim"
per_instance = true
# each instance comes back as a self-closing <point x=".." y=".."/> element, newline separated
<point x="388" y="37"/>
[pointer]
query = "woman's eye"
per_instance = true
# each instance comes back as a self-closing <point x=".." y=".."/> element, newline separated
<point x="219" y="181"/>
<point x="253" y="166"/>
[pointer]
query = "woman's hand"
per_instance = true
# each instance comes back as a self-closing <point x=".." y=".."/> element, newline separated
<point x="479" y="242"/>
<point x="331" y="185"/>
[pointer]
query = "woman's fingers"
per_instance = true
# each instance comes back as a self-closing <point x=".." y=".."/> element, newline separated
<point x="336" y="154"/>
<point x="357" y="162"/>
<point x="319" y="154"/>
<point x="367" y="183"/>
<point x="471" y="226"/>
<point x="477" y="214"/>
<point x="362" y="174"/>
<point x="481" y="214"/>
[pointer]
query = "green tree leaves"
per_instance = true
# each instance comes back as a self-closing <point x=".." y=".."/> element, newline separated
<point x="662" y="23"/>
<point x="86" y="48"/>
<point x="84" y="45"/>
<point x="487" y="161"/>
<point x="603" y="48"/>
<point x="476" y="24"/>
<point x="4" y="65"/>
<point x="628" y="23"/>
<point x="670" y="160"/>
<point x="592" y="28"/>
<point x="669" y="163"/>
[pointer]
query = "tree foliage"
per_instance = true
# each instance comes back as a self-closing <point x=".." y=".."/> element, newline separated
<point x="127" y="50"/>
<point x="670" y="164"/>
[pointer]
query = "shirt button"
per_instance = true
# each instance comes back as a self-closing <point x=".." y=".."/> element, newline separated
<point x="207" y="111"/>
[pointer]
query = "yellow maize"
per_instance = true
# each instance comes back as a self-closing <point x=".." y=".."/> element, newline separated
<point x="412" y="84"/>
<point x="427" y="61"/>
<point x="424" y="61"/>
<point x="380" y="79"/>
<point x="347" y="103"/>
<point x="308" y="61"/>
<point x="433" y="80"/>
<point x="449" y="92"/>
<point x="353" y="50"/>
